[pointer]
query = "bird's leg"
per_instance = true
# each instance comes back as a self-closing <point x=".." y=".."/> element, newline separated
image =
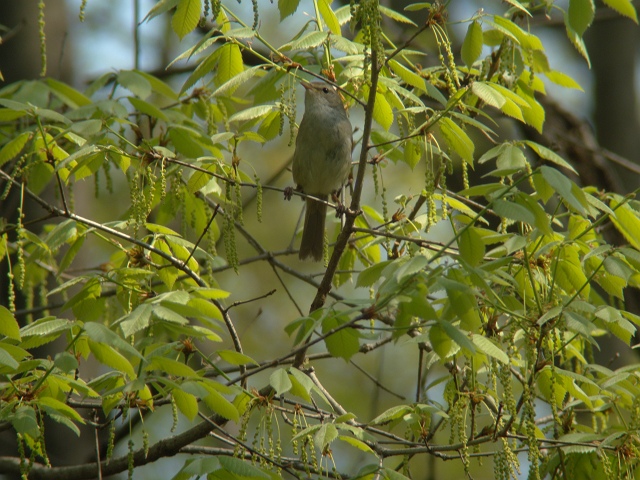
<point x="288" y="191"/>
<point x="341" y="208"/>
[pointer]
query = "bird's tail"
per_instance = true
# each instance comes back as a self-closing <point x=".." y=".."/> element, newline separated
<point x="313" y="234"/>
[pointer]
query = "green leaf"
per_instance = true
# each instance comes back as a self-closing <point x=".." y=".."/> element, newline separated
<point x="234" y="82"/>
<point x="488" y="95"/>
<point x="408" y="76"/>
<point x="393" y="413"/>
<point x="242" y="469"/>
<point x="220" y="405"/>
<point x="458" y="336"/>
<point x="576" y="40"/>
<point x="513" y="211"/>
<point x="564" y="187"/>
<point x="186" y="17"/>
<point x="354" y="442"/>
<point x="51" y="403"/>
<point x="235" y="358"/>
<point x="280" y="381"/>
<point x="547" y="154"/>
<point x="394" y="15"/>
<point x="580" y="15"/>
<point x="138" y="319"/>
<point x="8" y="324"/>
<point x="186" y="403"/>
<point x="343" y="343"/>
<point x="252" y="113"/>
<point x="287" y="7"/>
<point x="471" y="246"/>
<point x="626" y="222"/>
<point x="13" y="148"/>
<point x="229" y="64"/>
<point x="307" y="41"/>
<point x="7" y="360"/>
<point x="135" y="83"/>
<point x="101" y="334"/>
<point x="171" y="367"/>
<point x="24" y="422"/>
<point x="324" y="7"/>
<point x="301" y="384"/>
<point x="382" y="111"/>
<point x="489" y="348"/>
<point x="326" y="434"/>
<point x="147" y="108"/>
<point x="472" y="44"/>
<point x="110" y="357"/>
<point x="563" y="80"/>
<point x="623" y="7"/>
<point x="69" y="95"/>
<point x="457" y="139"/>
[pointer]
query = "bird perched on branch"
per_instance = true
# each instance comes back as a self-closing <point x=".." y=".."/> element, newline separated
<point x="322" y="159"/>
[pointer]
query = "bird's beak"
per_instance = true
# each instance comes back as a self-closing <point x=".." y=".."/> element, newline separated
<point x="306" y="85"/>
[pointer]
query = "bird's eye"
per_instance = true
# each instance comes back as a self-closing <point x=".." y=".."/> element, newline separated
<point x="325" y="90"/>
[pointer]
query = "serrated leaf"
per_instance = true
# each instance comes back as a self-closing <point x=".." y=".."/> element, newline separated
<point x="186" y="17"/>
<point x="229" y="63"/>
<point x="457" y="139"/>
<point x="69" y="95"/>
<point x="13" y="148"/>
<point x="101" y="334"/>
<point x="563" y="80"/>
<point x="354" y="442"/>
<point x="382" y="111"/>
<point x="488" y="95"/>
<point x="326" y="434"/>
<point x="110" y="357"/>
<point x="408" y="76"/>
<point x="513" y="211"/>
<point x="577" y="41"/>
<point x="61" y="408"/>
<point x="547" y="154"/>
<point x="308" y="40"/>
<point x="626" y="222"/>
<point x="135" y="83"/>
<point x="489" y="348"/>
<point x="172" y="367"/>
<point x="8" y="324"/>
<point x="344" y="343"/>
<point x="220" y="405"/>
<point x="391" y="414"/>
<point x="251" y="113"/>
<point x="472" y="44"/>
<point x="138" y="319"/>
<point x="235" y="358"/>
<point x="471" y="246"/>
<point x="186" y="403"/>
<point x="287" y="7"/>
<point x="324" y="7"/>
<point x="280" y="381"/>
<point x="623" y="7"/>
<point x="242" y="469"/>
<point x="398" y="17"/>
<point x="147" y="108"/>
<point x="580" y="15"/>
<point x="564" y="187"/>
<point x="6" y="359"/>
<point x="237" y="80"/>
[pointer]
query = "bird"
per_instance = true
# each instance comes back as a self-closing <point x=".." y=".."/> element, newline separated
<point x="322" y="159"/>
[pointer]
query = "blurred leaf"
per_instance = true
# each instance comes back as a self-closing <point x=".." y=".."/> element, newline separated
<point x="8" y="324"/>
<point x="472" y="44"/>
<point x="186" y="403"/>
<point x="186" y="17"/>
<point x="623" y="7"/>
<point x="324" y="7"/>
